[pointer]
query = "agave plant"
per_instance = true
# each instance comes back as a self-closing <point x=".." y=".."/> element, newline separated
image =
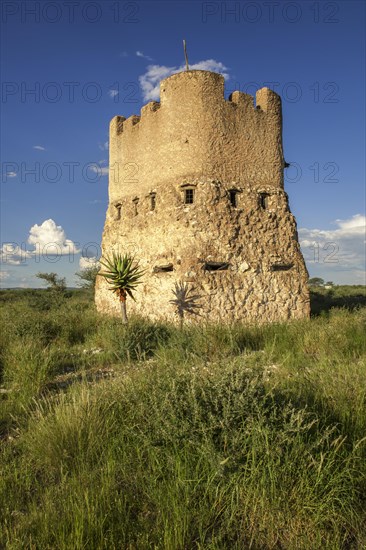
<point x="123" y="274"/>
<point x="185" y="300"/>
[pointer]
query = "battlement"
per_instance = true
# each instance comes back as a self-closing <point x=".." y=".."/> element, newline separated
<point x="116" y="125"/>
<point x="270" y="102"/>
<point x="149" y="108"/>
<point x="194" y="125"/>
<point x="240" y="98"/>
<point x="203" y="87"/>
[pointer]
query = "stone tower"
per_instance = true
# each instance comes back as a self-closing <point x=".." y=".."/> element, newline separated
<point x="196" y="194"/>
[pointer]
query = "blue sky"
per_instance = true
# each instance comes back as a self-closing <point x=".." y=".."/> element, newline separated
<point x="69" y="67"/>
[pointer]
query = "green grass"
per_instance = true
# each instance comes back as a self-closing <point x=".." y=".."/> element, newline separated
<point x="211" y="437"/>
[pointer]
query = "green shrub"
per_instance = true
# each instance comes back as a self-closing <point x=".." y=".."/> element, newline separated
<point x="138" y="340"/>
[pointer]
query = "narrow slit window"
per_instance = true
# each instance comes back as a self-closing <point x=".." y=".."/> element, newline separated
<point x="216" y="266"/>
<point x="135" y="205"/>
<point x="263" y="200"/>
<point x="152" y="201"/>
<point x="233" y="195"/>
<point x="188" y="196"/>
<point x="163" y="268"/>
<point x="282" y="267"/>
<point x="118" y="211"/>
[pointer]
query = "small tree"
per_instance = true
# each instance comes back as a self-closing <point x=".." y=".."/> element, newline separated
<point x="88" y="276"/>
<point x="123" y="274"/>
<point x="53" y="281"/>
<point x="185" y="300"/>
<point x="316" y="281"/>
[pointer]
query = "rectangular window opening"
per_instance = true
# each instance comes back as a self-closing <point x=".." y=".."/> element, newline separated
<point x="216" y="266"/>
<point x="233" y="197"/>
<point x="135" y="204"/>
<point x="118" y="211"/>
<point x="152" y="201"/>
<point x="163" y="268"/>
<point x="263" y="200"/>
<point x="188" y="196"/>
<point x="282" y="267"/>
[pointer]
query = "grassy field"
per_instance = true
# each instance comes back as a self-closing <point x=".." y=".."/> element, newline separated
<point x="211" y="437"/>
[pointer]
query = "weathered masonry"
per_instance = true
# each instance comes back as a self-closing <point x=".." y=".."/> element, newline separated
<point x="196" y="194"/>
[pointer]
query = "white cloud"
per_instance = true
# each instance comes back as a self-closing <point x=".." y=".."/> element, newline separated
<point x="39" y="147"/>
<point x="150" y="81"/>
<point x="86" y="263"/>
<point x="113" y="93"/>
<point x="49" y="238"/>
<point x="11" y="174"/>
<point x="13" y="254"/>
<point x="354" y="226"/>
<point x="104" y="146"/>
<point x="340" y="250"/>
<point x="209" y="65"/>
<point x="100" y="170"/>
<point x="140" y="54"/>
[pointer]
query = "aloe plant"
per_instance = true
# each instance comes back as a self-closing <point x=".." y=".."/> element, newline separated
<point x="185" y="300"/>
<point x="123" y="274"/>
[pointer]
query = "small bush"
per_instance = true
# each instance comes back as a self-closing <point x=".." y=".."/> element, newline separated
<point x="137" y="340"/>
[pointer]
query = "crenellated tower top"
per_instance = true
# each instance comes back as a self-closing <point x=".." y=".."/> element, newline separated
<point x="193" y="132"/>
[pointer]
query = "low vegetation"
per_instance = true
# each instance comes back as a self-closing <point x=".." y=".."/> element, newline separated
<point x="150" y="435"/>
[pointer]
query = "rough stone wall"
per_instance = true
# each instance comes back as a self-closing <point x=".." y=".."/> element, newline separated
<point x="225" y="151"/>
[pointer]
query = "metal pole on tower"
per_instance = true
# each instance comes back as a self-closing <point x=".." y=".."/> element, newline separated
<point x="185" y="54"/>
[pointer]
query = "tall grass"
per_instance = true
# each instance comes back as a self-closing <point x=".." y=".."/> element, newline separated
<point x="210" y="437"/>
